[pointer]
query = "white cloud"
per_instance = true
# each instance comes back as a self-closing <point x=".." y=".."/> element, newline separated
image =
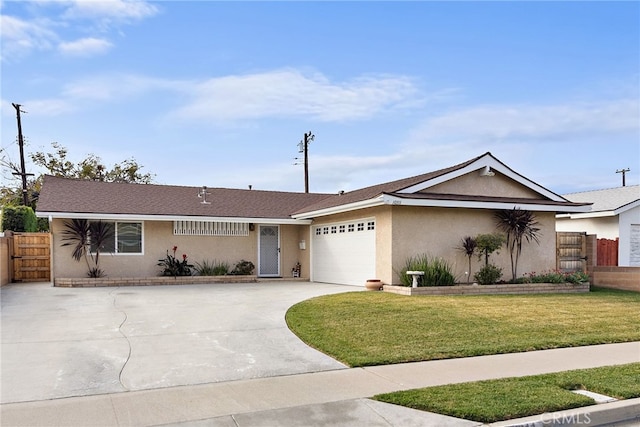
<point x="290" y="93"/>
<point x="498" y="122"/>
<point x="85" y="47"/>
<point x="20" y="37"/>
<point x="115" y="10"/>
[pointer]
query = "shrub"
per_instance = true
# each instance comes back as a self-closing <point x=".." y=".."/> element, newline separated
<point x="555" y="276"/>
<point x="214" y="268"/>
<point x="243" y="268"/>
<point x="488" y="275"/>
<point x="437" y="272"/>
<point x="172" y="266"/>
<point x="19" y="219"/>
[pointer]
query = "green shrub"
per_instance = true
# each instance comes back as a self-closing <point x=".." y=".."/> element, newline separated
<point x="437" y="272"/>
<point x="243" y="268"/>
<point x="488" y="275"/>
<point x="555" y="276"/>
<point x="213" y="268"/>
<point x="172" y="266"/>
<point x="19" y="219"/>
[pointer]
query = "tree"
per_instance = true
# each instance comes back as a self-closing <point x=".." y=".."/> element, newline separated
<point x="488" y="244"/>
<point x="57" y="164"/>
<point x="519" y="225"/>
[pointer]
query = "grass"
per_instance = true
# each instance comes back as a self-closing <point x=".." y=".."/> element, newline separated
<point x="498" y="400"/>
<point x="375" y="328"/>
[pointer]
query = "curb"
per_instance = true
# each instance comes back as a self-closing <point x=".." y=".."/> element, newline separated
<point x="595" y="415"/>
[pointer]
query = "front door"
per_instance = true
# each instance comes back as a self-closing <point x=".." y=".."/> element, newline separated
<point x="269" y="251"/>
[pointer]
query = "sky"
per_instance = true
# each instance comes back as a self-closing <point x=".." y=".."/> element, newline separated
<point x="221" y="93"/>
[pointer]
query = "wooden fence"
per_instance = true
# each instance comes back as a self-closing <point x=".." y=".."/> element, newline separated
<point x="607" y="252"/>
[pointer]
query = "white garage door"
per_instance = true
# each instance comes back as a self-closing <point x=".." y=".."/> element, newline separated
<point x="344" y="253"/>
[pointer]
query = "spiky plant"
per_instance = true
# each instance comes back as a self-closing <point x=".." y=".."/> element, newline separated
<point x="88" y="240"/>
<point x="468" y="247"/>
<point x="519" y="225"/>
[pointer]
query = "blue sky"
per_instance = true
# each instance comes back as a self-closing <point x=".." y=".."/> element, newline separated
<point x="221" y="93"/>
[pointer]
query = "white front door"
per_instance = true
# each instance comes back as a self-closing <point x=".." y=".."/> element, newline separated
<point x="269" y="251"/>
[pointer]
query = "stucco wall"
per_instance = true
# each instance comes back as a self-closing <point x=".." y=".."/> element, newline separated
<point x="603" y="227"/>
<point x="439" y="231"/>
<point x="158" y="238"/>
<point x="475" y="184"/>
<point x="629" y="245"/>
<point x="5" y="260"/>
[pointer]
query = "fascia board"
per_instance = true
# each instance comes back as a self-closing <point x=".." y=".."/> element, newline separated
<point x="627" y="207"/>
<point x="377" y="201"/>
<point x="479" y="164"/>
<point x="538" y="207"/>
<point x="128" y="217"/>
<point x="600" y="214"/>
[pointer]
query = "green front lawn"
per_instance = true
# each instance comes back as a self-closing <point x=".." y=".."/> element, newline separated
<point x="498" y="400"/>
<point x="376" y="328"/>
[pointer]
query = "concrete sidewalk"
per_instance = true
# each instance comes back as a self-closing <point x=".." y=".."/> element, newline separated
<point x="328" y="398"/>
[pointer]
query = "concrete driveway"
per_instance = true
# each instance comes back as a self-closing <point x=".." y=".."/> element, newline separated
<point x="63" y="342"/>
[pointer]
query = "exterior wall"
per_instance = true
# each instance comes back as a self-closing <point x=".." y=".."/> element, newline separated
<point x="629" y="220"/>
<point x="5" y="259"/>
<point x="624" y="278"/>
<point x="158" y="238"/>
<point x="475" y="184"/>
<point x="439" y="231"/>
<point x="604" y="227"/>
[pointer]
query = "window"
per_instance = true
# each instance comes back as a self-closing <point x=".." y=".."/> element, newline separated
<point x="126" y="238"/>
<point x="333" y="229"/>
<point x="371" y="225"/>
<point x="318" y="231"/>
<point x="341" y="229"/>
<point x="351" y="228"/>
<point x="360" y="226"/>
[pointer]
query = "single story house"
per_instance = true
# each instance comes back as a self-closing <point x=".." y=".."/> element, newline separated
<point x="615" y="214"/>
<point x="343" y="238"/>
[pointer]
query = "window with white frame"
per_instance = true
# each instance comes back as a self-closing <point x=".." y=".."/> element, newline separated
<point x="124" y="238"/>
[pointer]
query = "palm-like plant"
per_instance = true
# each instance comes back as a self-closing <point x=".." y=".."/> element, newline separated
<point x="468" y="247"/>
<point x="88" y="240"/>
<point x="519" y="225"/>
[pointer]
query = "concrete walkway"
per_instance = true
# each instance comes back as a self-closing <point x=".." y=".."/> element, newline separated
<point x="220" y="356"/>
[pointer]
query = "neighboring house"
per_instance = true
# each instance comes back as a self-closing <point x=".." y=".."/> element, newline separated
<point x="615" y="214"/>
<point x="343" y="238"/>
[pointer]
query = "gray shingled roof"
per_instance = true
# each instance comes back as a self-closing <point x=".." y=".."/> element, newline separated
<point x="95" y="197"/>
<point x="608" y="199"/>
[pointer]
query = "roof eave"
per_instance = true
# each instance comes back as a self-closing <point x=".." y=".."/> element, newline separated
<point x="139" y="217"/>
<point x="369" y="203"/>
<point x="478" y="204"/>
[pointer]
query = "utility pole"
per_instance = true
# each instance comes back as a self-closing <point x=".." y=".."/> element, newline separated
<point x="623" y="172"/>
<point x="23" y="173"/>
<point x="304" y="148"/>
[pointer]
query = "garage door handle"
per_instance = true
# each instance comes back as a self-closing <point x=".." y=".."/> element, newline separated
<point x="15" y="257"/>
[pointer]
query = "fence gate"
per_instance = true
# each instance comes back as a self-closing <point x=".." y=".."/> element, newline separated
<point x="31" y="257"/>
<point x="571" y="251"/>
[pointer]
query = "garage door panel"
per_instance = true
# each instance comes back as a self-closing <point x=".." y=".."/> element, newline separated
<point x="344" y="253"/>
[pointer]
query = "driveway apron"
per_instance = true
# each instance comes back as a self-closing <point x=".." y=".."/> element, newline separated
<point x="64" y="342"/>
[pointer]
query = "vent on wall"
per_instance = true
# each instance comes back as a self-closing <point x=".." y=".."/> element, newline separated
<point x="210" y="228"/>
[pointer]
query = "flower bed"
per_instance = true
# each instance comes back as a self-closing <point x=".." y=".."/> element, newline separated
<point x="87" y="282"/>
<point x="525" y="288"/>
